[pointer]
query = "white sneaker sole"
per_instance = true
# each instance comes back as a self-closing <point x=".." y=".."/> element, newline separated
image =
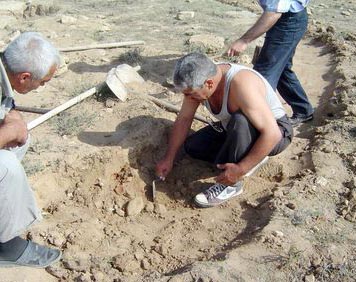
<point x="209" y="205"/>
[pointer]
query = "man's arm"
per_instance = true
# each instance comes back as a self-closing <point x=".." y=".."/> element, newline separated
<point x="178" y="135"/>
<point x="263" y="24"/>
<point x="13" y="130"/>
<point x="250" y="98"/>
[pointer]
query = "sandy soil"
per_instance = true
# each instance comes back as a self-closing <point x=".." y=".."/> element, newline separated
<point x="92" y="166"/>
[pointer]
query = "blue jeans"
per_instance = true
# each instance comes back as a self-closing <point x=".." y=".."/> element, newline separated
<point x="276" y="59"/>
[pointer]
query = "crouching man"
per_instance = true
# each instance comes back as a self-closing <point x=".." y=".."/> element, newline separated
<point x="29" y="62"/>
<point x="253" y="123"/>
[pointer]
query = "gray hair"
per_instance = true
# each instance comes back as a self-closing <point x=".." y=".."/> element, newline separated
<point x="192" y="70"/>
<point x="30" y="52"/>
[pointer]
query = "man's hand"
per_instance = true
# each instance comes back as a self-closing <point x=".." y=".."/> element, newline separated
<point x="237" y="47"/>
<point x="164" y="167"/>
<point x="231" y="174"/>
<point x="13" y="130"/>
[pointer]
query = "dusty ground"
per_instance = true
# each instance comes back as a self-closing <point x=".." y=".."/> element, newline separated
<point x="295" y="221"/>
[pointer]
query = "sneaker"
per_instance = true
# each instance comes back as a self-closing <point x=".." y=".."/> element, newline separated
<point x="217" y="194"/>
<point x="35" y="255"/>
<point x="296" y="120"/>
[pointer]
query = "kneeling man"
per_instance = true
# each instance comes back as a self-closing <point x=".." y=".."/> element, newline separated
<point x="253" y="123"/>
<point x="27" y="63"/>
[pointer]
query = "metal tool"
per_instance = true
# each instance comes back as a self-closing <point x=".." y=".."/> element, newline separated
<point x="159" y="178"/>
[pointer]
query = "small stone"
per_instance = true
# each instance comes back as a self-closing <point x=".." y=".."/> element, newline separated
<point x="185" y="15"/>
<point x="322" y="181"/>
<point x="278" y="234"/>
<point x="57" y="272"/>
<point x="346" y="13"/>
<point x="77" y="264"/>
<point x="145" y="264"/>
<point x="84" y="277"/>
<point x="292" y="206"/>
<point x="309" y="278"/>
<point x="134" y="207"/>
<point x="159" y="208"/>
<point x="67" y="20"/>
<point x="149" y="207"/>
<point x="109" y="103"/>
<point x="120" y="212"/>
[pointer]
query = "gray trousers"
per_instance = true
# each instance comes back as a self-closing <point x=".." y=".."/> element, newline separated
<point x="18" y="209"/>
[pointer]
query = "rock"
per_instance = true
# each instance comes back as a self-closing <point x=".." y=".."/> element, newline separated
<point x="109" y="103"/>
<point x="210" y="43"/>
<point x="57" y="240"/>
<point x="60" y="273"/>
<point x="134" y="207"/>
<point x="145" y="264"/>
<point x="278" y="234"/>
<point x="149" y="207"/>
<point x="346" y="13"/>
<point x="67" y="20"/>
<point x="292" y="206"/>
<point x="160" y="208"/>
<point x="185" y="15"/>
<point x="309" y="278"/>
<point x="40" y="10"/>
<point x="321" y="181"/>
<point x="120" y="212"/>
<point x="77" y="264"/>
<point x="181" y="279"/>
<point x="99" y="276"/>
<point x="125" y="264"/>
<point x="84" y="277"/>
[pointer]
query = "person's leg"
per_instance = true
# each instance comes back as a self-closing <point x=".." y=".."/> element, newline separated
<point x="275" y="60"/>
<point x="240" y="137"/>
<point x="287" y="135"/>
<point x="18" y="211"/>
<point x="204" y="144"/>
<point x="292" y="92"/>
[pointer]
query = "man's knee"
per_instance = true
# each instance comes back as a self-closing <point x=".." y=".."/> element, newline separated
<point x="10" y="166"/>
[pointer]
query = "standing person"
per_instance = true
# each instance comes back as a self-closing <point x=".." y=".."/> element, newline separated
<point x="254" y="123"/>
<point x="284" y="22"/>
<point x="30" y="61"/>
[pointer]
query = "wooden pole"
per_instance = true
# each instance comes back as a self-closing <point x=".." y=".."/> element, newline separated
<point x="101" y="46"/>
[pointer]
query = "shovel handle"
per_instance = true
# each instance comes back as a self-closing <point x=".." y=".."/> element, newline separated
<point x="173" y="108"/>
<point x="61" y="108"/>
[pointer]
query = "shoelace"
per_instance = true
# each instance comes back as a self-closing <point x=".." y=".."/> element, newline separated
<point x="214" y="190"/>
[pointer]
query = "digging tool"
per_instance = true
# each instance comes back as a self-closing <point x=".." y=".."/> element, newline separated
<point x="123" y="74"/>
<point x="121" y="93"/>
<point x="158" y="179"/>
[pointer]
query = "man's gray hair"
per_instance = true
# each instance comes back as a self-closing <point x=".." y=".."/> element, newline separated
<point x="30" y="52"/>
<point x="192" y="70"/>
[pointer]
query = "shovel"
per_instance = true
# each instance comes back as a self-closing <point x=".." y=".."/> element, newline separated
<point x="123" y="74"/>
<point x="118" y="89"/>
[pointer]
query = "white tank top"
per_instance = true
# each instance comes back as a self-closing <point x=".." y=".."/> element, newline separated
<point x="271" y="97"/>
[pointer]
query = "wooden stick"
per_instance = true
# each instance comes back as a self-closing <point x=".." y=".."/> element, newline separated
<point x="168" y="106"/>
<point x="101" y="46"/>
<point x="32" y="110"/>
<point x="62" y="107"/>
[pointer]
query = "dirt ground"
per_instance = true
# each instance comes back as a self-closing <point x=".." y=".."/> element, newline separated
<point x="92" y="166"/>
